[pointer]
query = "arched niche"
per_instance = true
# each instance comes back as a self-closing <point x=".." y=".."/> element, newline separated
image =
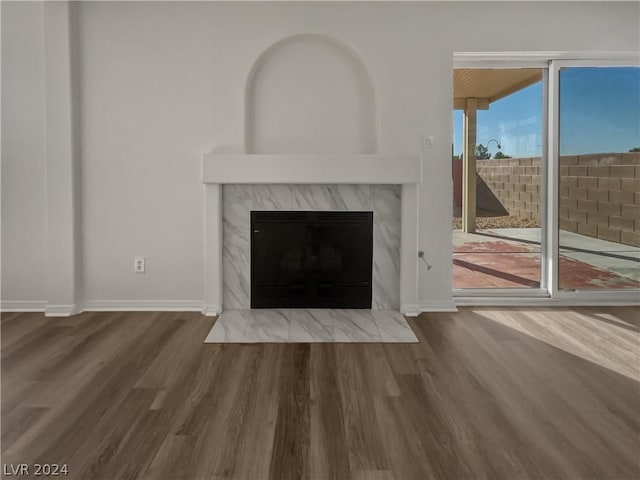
<point x="310" y="94"/>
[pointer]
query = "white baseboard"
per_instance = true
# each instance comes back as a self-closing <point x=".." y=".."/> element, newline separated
<point x="438" y="306"/>
<point x="211" y="310"/>
<point x="106" y="306"/>
<point x="142" y="306"/>
<point x="61" y="310"/>
<point x="23" y="305"/>
<point x="214" y="310"/>
<point x="410" y="310"/>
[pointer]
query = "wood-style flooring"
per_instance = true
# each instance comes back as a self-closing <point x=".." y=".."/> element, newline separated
<point x="488" y="393"/>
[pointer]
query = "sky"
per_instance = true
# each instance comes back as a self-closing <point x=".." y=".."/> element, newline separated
<point x="599" y="113"/>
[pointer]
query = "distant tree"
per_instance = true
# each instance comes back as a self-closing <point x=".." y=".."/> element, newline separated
<point x="635" y="149"/>
<point x="455" y="157"/>
<point x="482" y="152"/>
<point x="499" y="154"/>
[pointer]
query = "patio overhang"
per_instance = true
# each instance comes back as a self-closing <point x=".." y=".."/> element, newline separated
<point x="488" y="85"/>
<point x="475" y="89"/>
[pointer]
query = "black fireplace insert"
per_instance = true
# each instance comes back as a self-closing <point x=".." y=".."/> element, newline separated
<point x="311" y="259"/>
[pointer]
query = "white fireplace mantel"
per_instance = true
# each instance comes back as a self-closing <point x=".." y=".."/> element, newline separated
<point x="220" y="168"/>
<point x="308" y="169"/>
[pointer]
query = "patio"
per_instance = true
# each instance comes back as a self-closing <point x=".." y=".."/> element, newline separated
<point x="510" y="258"/>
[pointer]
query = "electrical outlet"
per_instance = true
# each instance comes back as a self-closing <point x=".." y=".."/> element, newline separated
<point x="427" y="143"/>
<point x="138" y="264"/>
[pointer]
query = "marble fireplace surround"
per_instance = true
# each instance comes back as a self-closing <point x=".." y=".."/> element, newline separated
<point x="311" y="182"/>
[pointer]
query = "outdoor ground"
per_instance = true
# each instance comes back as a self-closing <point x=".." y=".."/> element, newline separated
<point x="499" y="222"/>
<point x="510" y="258"/>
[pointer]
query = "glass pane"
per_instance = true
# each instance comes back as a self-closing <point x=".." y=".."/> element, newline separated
<point x="503" y="250"/>
<point x="599" y="206"/>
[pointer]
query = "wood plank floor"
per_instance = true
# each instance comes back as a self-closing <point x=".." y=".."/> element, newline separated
<point x="488" y="393"/>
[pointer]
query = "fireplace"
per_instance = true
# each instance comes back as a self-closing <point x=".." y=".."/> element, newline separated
<point x="237" y="184"/>
<point x="311" y="259"/>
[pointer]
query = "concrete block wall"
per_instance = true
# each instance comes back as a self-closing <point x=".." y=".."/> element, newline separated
<point x="600" y="196"/>
<point x="599" y="193"/>
<point x="516" y="183"/>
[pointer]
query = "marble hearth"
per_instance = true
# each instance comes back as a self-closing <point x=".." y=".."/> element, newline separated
<point x="311" y="326"/>
<point x="237" y="184"/>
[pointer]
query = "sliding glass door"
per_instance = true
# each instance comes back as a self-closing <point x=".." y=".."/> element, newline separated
<point x="598" y="161"/>
<point x="559" y="182"/>
<point x="497" y="163"/>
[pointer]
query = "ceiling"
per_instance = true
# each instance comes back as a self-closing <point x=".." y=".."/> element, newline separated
<point x="492" y="83"/>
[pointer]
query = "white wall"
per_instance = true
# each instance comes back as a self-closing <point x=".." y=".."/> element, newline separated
<point x="23" y="153"/>
<point x="310" y="94"/>
<point x="162" y="83"/>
